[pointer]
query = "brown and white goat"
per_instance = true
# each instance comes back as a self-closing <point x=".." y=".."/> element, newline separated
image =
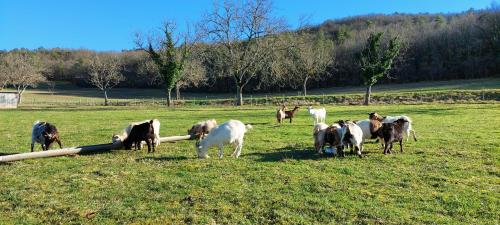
<point x="201" y="129"/>
<point x="333" y="136"/>
<point x="392" y="132"/>
<point x="282" y="114"/>
<point x="319" y="131"/>
<point x="389" y="119"/>
<point x="141" y="132"/>
<point x="45" y="134"/>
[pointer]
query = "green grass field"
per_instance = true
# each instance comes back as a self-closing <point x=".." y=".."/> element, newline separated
<point x="450" y="176"/>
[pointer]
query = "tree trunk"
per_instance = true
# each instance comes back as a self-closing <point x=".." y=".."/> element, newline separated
<point x="239" y="95"/>
<point x="368" y="94"/>
<point x="169" y="97"/>
<point x="20" y="92"/>
<point x="106" y="103"/>
<point x="19" y="98"/>
<point x="177" y="92"/>
<point x="305" y="86"/>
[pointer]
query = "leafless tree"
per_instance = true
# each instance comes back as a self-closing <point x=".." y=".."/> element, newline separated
<point x="309" y="58"/>
<point x="105" y="73"/>
<point x="193" y="75"/>
<point x="21" y="70"/>
<point x="147" y="69"/>
<point x="244" y="34"/>
<point x="4" y="78"/>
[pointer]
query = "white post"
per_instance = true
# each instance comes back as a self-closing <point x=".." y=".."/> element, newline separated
<point x="78" y="150"/>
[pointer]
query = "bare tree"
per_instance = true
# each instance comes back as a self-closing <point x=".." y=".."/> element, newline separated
<point x="148" y="70"/>
<point x="4" y="78"/>
<point x="244" y="34"/>
<point x="309" y="58"/>
<point x="192" y="76"/>
<point x="105" y="73"/>
<point x="21" y="70"/>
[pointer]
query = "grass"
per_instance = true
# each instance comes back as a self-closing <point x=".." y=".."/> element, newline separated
<point x="66" y="92"/>
<point x="450" y="176"/>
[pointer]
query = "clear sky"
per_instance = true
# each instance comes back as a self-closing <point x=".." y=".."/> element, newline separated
<point x="109" y="24"/>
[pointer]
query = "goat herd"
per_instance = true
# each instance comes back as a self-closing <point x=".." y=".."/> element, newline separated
<point x="352" y="134"/>
<point x="340" y="135"/>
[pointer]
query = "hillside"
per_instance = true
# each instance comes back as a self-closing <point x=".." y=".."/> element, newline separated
<point x="66" y="93"/>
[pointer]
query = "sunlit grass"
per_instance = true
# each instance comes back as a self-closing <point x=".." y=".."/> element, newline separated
<point x="451" y="175"/>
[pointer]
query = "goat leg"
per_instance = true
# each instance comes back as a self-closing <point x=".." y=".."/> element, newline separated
<point x="148" y="142"/>
<point x="358" y="151"/>
<point x="401" y="145"/>
<point x="59" y="143"/>
<point x="341" y="151"/>
<point x="32" y="146"/>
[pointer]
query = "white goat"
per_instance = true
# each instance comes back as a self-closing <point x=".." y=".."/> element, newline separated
<point x="319" y="136"/>
<point x="318" y="115"/>
<point x="124" y="134"/>
<point x="231" y="132"/>
<point x="365" y="128"/>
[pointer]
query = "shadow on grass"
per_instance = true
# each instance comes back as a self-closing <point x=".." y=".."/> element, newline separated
<point x="287" y="153"/>
<point x="165" y="158"/>
<point x="10" y="153"/>
<point x="297" y="153"/>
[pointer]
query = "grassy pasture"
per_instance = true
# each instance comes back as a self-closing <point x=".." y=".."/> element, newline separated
<point x="63" y="92"/>
<point x="451" y="175"/>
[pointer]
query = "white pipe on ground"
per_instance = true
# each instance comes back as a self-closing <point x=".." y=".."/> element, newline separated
<point x="78" y="150"/>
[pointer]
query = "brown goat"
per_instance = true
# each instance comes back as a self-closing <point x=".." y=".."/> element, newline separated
<point x="392" y="132"/>
<point x="141" y="132"/>
<point x="289" y="114"/>
<point x="375" y="116"/>
<point x="201" y="129"/>
<point x="375" y="124"/>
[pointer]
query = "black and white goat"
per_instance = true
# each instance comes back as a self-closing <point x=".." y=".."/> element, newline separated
<point x="45" y="134"/>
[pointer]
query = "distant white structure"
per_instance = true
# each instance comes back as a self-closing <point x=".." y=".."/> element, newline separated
<point x="8" y="100"/>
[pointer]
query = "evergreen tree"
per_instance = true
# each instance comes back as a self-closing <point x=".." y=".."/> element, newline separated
<point x="169" y="60"/>
<point x="377" y="60"/>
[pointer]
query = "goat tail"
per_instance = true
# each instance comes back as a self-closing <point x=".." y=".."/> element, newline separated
<point x="248" y="126"/>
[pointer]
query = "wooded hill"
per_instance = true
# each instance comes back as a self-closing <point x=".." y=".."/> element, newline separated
<point x="435" y="47"/>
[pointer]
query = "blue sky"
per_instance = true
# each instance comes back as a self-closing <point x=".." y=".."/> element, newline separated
<point x="109" y="24"/>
